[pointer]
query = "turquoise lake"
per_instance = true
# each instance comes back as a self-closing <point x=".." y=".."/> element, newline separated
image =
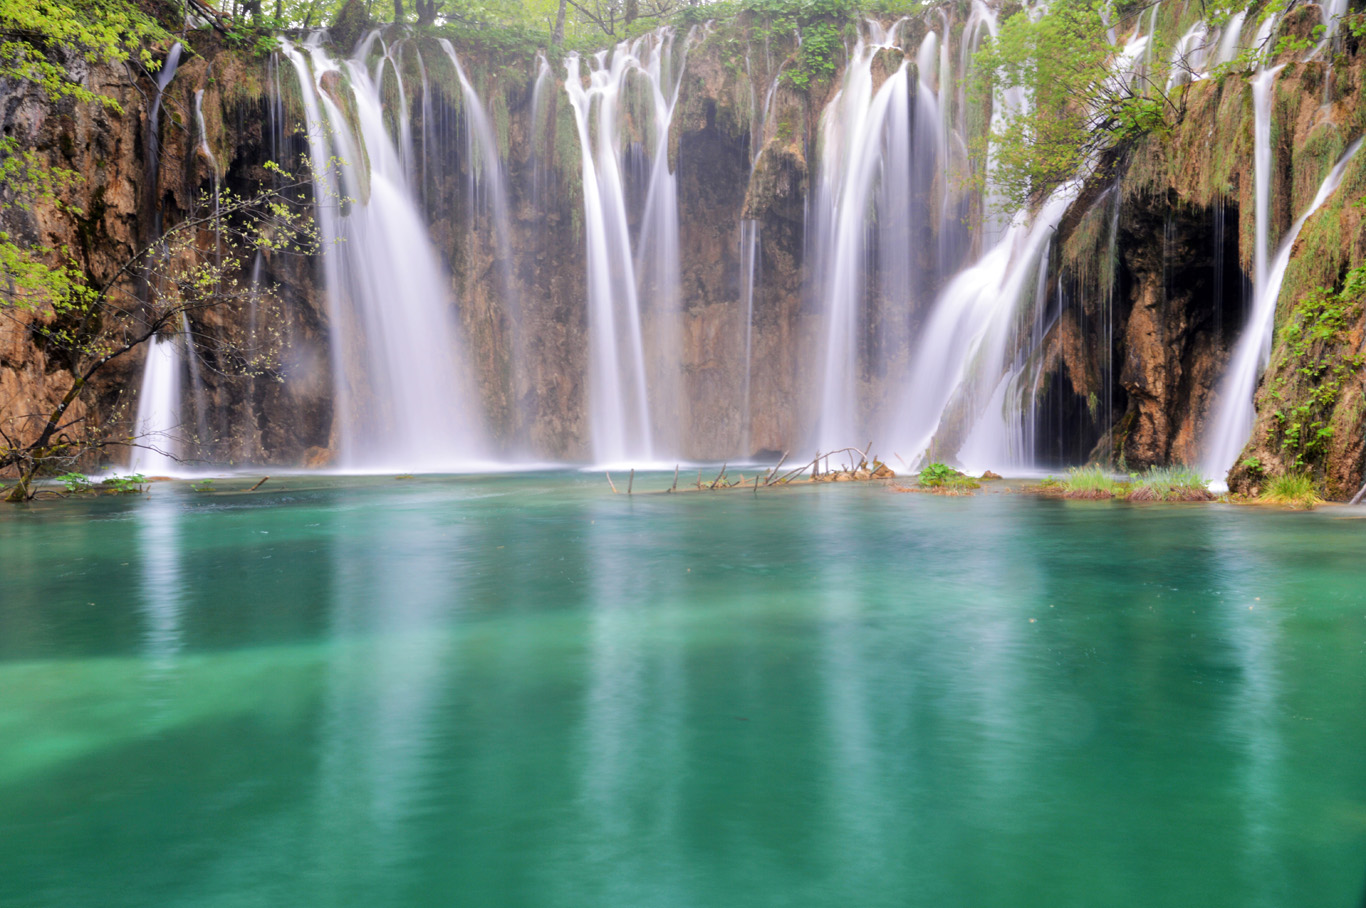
<point x="526" y="691"/>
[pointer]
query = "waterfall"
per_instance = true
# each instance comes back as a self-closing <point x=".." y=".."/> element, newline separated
<point x="486" y="170"/>
<point x="961" y="368"/>
<point x="204" y="148"/>
<point x="1229" y="38"/>
<point x="1188" y="56"/>
<point x="856" y="126"/>
<point x="1234" y="412"/>
<point x="749" y="264"/>
<point x="164" y="77"/>
<point x="620" y="399"/>
<point x="158" y="418"/>
<point x="1262" y="97"/>
<point x="541" y="156"/>
<point x="403" y="398"/>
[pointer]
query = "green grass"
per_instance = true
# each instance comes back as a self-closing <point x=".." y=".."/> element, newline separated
<point x="1091" y="481"/>
<point x="1294" y="489"/>
<point x="1174" y="483"/>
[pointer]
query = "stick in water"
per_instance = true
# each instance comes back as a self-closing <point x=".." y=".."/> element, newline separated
<point x="259" y="484"/>
<point x="609" y="482"/>
<point x="631" y="482"/>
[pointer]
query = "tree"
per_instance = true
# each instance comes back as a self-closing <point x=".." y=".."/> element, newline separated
<point x="1083" y="96"/>
<point x="164" y="288"/>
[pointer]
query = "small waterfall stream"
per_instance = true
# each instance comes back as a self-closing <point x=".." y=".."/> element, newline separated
<point x="158" y="421"/>
<point x="1234" y="413"/>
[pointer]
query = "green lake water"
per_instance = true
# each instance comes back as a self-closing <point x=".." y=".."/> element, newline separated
<point x="525" y="691"/>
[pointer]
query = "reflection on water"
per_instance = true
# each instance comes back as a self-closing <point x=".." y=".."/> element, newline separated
<point x="162" y="586"/>
<point x="521" y="691"/>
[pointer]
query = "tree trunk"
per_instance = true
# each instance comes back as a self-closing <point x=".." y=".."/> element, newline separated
<point x="398" y="10"/>
<point x="557" y="39"/>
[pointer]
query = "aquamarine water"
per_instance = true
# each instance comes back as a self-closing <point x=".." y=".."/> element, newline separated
<point x="525" y="691"/>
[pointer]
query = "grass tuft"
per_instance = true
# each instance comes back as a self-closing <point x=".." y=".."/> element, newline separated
<point x="1296" y="490"/>
<point x="1174" y="483"/>
<point x="1088" y="482"/>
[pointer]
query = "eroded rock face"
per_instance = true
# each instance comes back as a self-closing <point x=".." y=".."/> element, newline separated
<point x="1185" y="297"/>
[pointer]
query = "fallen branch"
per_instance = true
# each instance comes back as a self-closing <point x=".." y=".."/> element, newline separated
<point x="631" y="482"/>
<point x="259" y="484"/>
<point x="777" y="466"/>
<point x="609" y="481"/>
<point x="719" y="475"/>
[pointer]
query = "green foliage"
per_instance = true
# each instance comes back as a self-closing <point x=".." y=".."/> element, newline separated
<point x="75" y="482"/>
<point x="1314" y="340"/>
<point x="96" y="31"/>
<point x="942" y="476"/>
<point x="1296" y="489"/>
<point x="204" y="485"/>
<point x="818" y="57"/>
<point x="1062" y="61"/>
<point x="125" y="485"/>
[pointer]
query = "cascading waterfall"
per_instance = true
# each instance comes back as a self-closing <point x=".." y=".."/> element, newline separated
<point x="402" y="396"/>
<point x="856" y="127"/>
<point x="961" y="370"/>
<point x="1234" y="414"/>
<point x="930" y="338"/>
<point x="973" y="374"/>
<point x="620" y="400"/>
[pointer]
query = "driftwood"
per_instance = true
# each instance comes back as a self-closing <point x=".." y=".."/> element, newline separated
<point x="1356" y="499"/>
<point x="259" y="484"/>
<point x="861" y="466"/>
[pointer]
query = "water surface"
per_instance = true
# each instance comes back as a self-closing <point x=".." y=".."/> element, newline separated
<point x="524" y="690"/>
